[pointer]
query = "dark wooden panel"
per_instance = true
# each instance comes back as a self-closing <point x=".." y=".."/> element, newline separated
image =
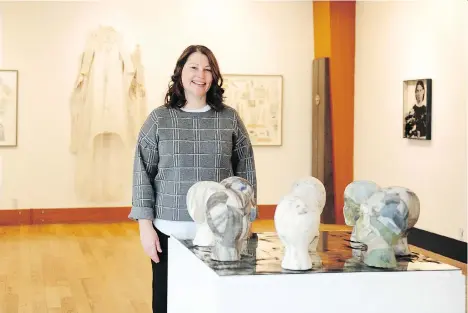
<point x="322" y="154"/>
<point x="334" y="38"/>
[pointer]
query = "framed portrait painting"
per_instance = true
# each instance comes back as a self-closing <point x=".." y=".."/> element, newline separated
<point x="8" y="108"/>
<point x="417" y="109"/>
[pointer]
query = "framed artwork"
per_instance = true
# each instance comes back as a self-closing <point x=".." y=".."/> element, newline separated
<point x="259" y="101"/>
<point x="417" y="109"/>
<point x="8" y="108"/>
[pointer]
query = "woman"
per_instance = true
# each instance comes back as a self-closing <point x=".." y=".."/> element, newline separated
<point x="416" y="119"/>
<point x="192" y="137"/>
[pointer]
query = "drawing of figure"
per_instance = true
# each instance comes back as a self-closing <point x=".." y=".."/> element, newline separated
<point x="107" y="106"/>
<point x="2" y="132"/>
<point x="6" y="98"/>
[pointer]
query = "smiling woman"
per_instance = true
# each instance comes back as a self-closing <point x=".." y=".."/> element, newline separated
<point x="196" y="81"/>
<point x="192" y="137"/>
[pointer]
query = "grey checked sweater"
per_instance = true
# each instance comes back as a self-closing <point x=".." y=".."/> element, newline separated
<point x="175" y="149"/>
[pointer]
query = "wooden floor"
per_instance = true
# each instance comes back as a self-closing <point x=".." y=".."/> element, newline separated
<point x="84" y="268"/>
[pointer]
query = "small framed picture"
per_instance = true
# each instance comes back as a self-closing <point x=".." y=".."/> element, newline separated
<point x="417" y="109"/>
<point x="8" y="108"/>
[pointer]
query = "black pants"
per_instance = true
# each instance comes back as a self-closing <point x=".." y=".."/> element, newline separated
<point x="160" y="276"/>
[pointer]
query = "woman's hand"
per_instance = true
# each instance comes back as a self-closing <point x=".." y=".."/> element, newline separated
<point x="149" y="240"/>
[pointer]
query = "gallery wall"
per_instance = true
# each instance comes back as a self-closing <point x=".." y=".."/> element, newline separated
<point x="397" y="41"/>
<point x="44" y="41"/>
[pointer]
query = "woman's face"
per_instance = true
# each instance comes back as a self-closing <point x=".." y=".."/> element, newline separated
<point x="419" y="93"/>
<point x="196" y="75"/>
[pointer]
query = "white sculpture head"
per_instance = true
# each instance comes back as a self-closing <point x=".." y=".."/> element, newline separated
<point x="312" y="191"/>
<point x="383" y="221"/>
<point x="355" y="194"/>
<point x="197" y="197"/>
<point x="227" y="218"/>
<point x="297" y="222"/>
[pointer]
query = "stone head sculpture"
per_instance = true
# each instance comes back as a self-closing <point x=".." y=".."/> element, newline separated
<point x="227" y="218"/>
<point x="358" y="193"/>
<point x="246" y="193"/>
<point x="243" y="188"/>
<point x="197" y="197"/>
<point x="382" y="223"/>
<point x="297" y="222"/>
<point x="355" y="194"/>
<point x="199" y="200"/>
<point x="312" y="191"/>
<point x="411" y="200"/>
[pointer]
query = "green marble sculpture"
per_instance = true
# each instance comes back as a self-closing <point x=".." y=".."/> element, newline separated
<point x="381" y="218"/>
<point x="355" y="194"/>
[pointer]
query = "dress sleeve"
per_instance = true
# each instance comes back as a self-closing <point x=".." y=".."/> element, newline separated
<point x="145" y="168"/>
<point x="243" y="160"/>
<point x="88" y="55"/>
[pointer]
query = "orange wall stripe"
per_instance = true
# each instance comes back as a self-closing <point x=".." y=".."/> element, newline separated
<point x="334" y="37"/>
<point x="322" y="29"/>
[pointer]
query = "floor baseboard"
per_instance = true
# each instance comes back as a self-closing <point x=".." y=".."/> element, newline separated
<point x="84" y="215"/>
<point x="448" y="247"/>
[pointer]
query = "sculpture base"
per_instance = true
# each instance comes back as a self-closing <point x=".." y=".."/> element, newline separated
<point x="297" y="260"/>
<point x="224" y="254"/>
<point x="422" y="285"/>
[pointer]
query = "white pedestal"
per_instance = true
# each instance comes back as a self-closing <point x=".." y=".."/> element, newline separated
<point x="258" y="284"/>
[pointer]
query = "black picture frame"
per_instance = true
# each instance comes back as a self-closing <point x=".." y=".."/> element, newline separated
<point x="417" y="109"/>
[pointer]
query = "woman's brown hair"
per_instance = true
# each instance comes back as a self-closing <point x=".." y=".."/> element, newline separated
<point x="175" y="96"/>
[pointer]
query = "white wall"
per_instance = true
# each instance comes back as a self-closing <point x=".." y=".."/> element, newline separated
<point x="43" y="40"/>
<point x="403" y="40"/>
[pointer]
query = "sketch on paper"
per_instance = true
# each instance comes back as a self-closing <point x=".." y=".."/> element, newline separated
<point x="8" y="108"/>
<point x="417" y="109"/>
<point x="108" y="107"/>
<point x="259" y="100"/>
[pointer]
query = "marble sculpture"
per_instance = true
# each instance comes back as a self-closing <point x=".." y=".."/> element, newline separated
<point x="355" y="194"/>
<point x="222" y="214"/>
<point x="247" y="194"/>
<point x="381" y="219"/>
<point x="297" y="222"/>
<point x="411" y="200"/>
<point x="197" y="197"/>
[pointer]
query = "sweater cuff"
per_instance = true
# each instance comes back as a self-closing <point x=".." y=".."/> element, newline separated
<point x="141" y="213"/>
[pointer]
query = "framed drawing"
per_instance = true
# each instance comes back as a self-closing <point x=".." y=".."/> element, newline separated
<point x="8" y="108"/>
<point x="259" y="101"/>
<point x="417" y="109"/>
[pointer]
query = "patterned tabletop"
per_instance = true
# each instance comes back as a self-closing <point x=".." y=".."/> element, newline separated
<point x="264" y="254"/>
